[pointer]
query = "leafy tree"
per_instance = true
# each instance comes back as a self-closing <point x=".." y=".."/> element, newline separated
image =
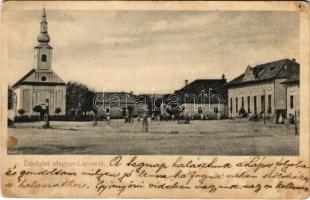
<point x="38" y="109"/>
<point x="10" y="97"/>
<point x="79" y="99"/>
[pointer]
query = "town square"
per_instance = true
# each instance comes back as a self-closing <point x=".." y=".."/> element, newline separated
<point x="155" y="99"/>
<point x="253" y="112"/>
<point x="212" y="137"/>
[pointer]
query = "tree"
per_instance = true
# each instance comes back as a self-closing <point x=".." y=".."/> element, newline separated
<point x="79" y="99"/>
<point x="10" y="97"/>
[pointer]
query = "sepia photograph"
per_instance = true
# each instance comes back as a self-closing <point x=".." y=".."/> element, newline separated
<point x="153" y="82"/>
<point x="155" y="99"/>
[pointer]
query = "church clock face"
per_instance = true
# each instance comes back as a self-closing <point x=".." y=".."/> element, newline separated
<point x="43" y="78"/>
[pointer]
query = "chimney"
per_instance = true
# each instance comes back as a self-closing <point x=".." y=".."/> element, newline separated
<point x="186" y="82"/>
<point x="223" y="76"/>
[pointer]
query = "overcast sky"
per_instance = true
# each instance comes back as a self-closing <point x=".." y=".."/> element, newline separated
<point x="145" y="51"/>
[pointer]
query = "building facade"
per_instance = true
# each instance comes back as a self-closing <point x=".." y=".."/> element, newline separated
<point x="203" y="98"/>
<point x="292" y="96"/>
<point x="259" y="90"/>
<point x="115" y="104"/>
<point x="41" y="86"/>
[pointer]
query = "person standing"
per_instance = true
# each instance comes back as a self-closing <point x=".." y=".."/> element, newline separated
<point x="93" y="113"/>
<point x="281" y="119"/>
<point x="145" y="128"/>
<point x="46" y="115"/>
<point x="126" y="115"/>
<point x="108" y="115"/>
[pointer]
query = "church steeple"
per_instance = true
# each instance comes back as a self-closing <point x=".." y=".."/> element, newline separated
<point x="43" y="51"/>
<point x="43" y="36"/>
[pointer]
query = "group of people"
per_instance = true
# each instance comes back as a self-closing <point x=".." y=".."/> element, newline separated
<point x="251" y="116"/>
<point x="279" y="118"/>
<point x="127" y="114"/>
<point x="291" y="119"/>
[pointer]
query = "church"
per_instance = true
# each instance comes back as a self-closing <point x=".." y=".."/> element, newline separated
<point x="41" y="85"/>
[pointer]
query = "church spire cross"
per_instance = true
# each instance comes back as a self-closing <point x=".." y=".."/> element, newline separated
<point x="44" y="14"/>
<point x="43" y="20"/>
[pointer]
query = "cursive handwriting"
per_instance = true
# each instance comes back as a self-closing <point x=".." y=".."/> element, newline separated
<point x="121" y="175"/>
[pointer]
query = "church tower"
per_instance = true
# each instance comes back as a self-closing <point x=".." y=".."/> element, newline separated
<point x="41" y="84"/>
<point x="43" y="51"/>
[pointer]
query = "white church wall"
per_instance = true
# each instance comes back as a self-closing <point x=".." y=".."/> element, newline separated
<point x="17" y="100"/>
<point x="60" y="99"/>
<point x="23" y="99"/>
<point x="27" y="97"/>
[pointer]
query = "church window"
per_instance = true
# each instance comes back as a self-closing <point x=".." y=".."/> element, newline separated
<point x="43" y="58"/>
<point x="43" y="78"/>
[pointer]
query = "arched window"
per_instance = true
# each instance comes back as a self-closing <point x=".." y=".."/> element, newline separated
<point x="43" y="58"/>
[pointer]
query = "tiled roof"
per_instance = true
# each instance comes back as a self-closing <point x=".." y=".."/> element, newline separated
<point x="209" y="87"/>
<point x="281" y="69"/>
<point x="24" y="81"/>
<point x="294" y="79"/>
<point x="24" y="77"/>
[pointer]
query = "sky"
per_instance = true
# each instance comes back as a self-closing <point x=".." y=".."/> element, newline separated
<point x="151" y="51"/>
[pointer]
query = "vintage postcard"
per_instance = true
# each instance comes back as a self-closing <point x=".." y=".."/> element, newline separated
<point x="155" y="99"/>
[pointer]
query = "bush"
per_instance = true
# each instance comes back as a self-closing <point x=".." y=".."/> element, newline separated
<point x="22" y="118"/>
<point x="11" y="123"/>
<point x="37" y="109"/>
<point x="21" y="111"/>
<point x="57" y="110"/>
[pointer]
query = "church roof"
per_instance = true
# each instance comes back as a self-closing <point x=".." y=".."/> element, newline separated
<point x="280" y="69"/>
<point x="29" y="79"/>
